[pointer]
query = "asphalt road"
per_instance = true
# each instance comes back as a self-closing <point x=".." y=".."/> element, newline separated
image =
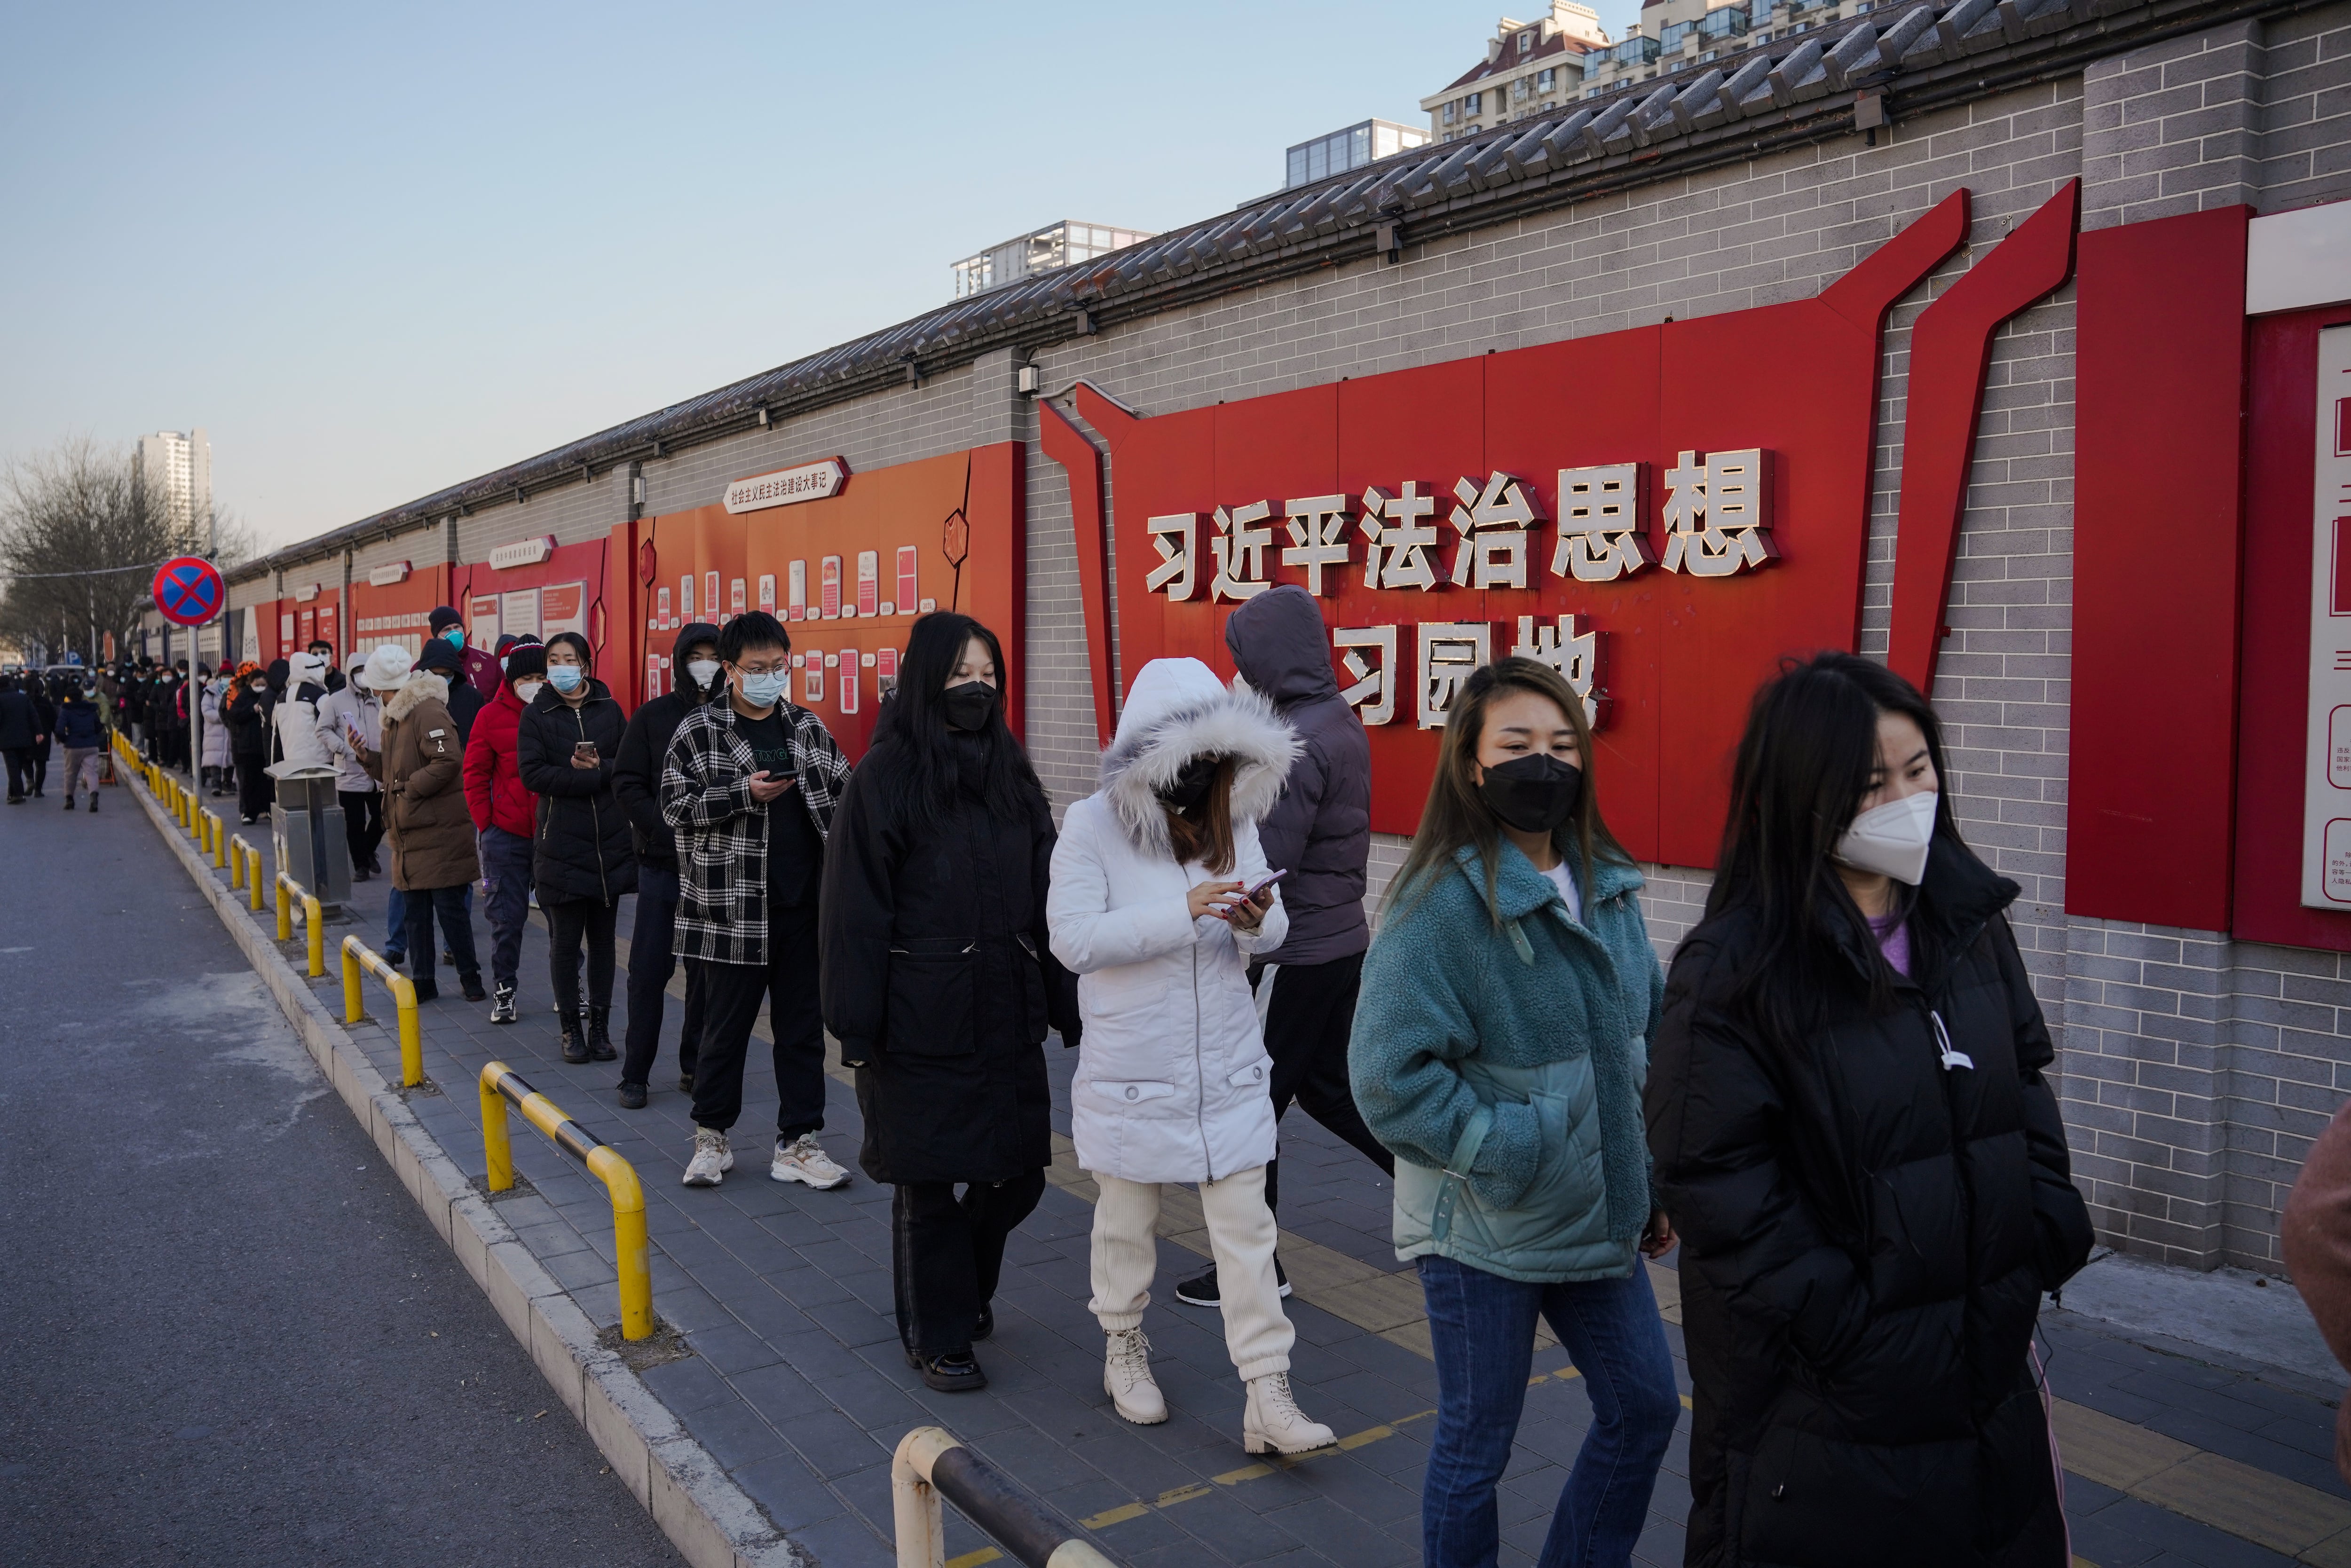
<point x="226" y="1334"/>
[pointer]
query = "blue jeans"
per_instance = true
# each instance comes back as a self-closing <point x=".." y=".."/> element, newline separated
<point x="1483" y="1330"/>
<point x="395" y="923"/>
<point x="505" y="878"/>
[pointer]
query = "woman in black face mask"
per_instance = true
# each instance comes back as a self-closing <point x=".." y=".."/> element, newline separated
<point x="1499" y="1051"/>
<point x="938" y="983"/>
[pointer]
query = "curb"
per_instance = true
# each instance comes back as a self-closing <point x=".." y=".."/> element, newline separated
<point x="712" y="1521"/>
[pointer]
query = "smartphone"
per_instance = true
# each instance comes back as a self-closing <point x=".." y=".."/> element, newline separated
<point x="1267" y="880"/>
<point x="585" y="748"/>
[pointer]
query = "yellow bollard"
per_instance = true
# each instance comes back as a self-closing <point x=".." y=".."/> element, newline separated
<point x="220" y="844"/>
<point x="499" y="1083"/>
<point x="497" y="1151"/>
<point x="633" y="1268"/>
<point x="315" y="918"/>
<point x="357" y="956"/>
<point x="354" y="1009"/>
<point x="252" y="875"/>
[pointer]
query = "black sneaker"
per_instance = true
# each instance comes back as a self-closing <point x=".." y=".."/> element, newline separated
<point x="473" y="992"/>
<point x="1201" y="1291"/>
<point x="984" y="1325"/>
<point x="633" y="1096"/>
<point x="686" y="1083"/>
<point x="948" y="1374"/>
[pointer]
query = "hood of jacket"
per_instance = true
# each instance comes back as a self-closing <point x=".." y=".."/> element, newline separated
<point x="1281" y="646"/>
<point x="690" y="633"/>
<point x="1177" y="710"/>
<point x="419" y="687"/>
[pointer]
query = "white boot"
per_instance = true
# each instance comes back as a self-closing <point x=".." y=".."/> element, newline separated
<point x="1126" y="1378"/>
<point x="1273" y="1424"/>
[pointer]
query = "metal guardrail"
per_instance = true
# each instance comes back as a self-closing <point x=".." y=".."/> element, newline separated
<point x="313" y="917"/>
<point x="931" y="1463"/>
<point x="358" y="956"/>
<point x="244" y="870"/>
<point x="501" y="1083"/>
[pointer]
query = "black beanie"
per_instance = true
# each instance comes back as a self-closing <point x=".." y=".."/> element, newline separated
<point x="443" y="618"/>
<point x="439" y="657"/>
<point x="525" y="659"/>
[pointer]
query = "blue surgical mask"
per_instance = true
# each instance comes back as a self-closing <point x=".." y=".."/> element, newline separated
<point x="566" y="677"/>
<point x="454" y="637"/>
<point x="766" y="691"/>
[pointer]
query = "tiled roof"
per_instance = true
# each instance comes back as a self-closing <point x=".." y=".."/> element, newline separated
<point x="1555" y="47"/>
<point x="1792" y="91"/>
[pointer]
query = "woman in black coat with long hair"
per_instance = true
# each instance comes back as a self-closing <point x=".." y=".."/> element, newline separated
<point x="252" y="710"/>
<point x="1869" y="1172"/>
<point x="566" y="742"/>
<point x="939" y="984"/>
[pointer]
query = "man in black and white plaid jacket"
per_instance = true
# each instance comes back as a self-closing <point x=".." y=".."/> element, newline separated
<point x="749" y="787"/>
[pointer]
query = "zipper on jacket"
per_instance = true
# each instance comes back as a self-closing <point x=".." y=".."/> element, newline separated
<point x="595" y="816"/>
<point x="1200" y="1067"/>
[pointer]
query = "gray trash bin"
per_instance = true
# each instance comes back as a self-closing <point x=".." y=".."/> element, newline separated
<point x="307" y="823"/>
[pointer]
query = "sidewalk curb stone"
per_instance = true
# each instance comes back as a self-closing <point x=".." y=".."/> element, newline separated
<point x="712" y="1521"/>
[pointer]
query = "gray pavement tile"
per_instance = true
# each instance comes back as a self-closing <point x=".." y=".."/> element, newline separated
<point x="874" y="1403"/>
<point x="2128" y="1531"/>
<point x="831" y="1444"/>
<point x="734" y="1433"/>
<point x="793" y="1497"/>
<point x="852" y="1323"/>
<point x="815" y="1353"/>
<point x="689" y="1307"/>
<point x="2261" y="1453"/>
<point x="1342" y="1535"/>
<point x="779" y="1393"/>
<point x="732" y="1348"/>
<point x="845" y="1541"/>
<point x="766" y="1313"/>
<point x="687" y="1384"/>
<point x="1226" y="1522"/>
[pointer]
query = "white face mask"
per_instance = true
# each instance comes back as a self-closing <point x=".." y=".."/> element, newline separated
<point x="1892" y="839"/>
<point x="704" y="672"/>
<point x="527" y="692"/>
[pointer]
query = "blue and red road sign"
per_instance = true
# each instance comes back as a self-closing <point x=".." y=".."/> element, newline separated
<point x="188" y="591"/>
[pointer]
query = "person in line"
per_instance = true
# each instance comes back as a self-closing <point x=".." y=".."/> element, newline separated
<point x="350" y="722"/>
<point x="45" y="720"/>
<point x="2315" y="1235"/>
<point x="465" y="702"/>
<point x="1867" y="1168"/>
<point x="479" y="669"/>
<point x="1321" y="833"/>
<point x="749" y="787"/>
<point x="20" y="730"/>
<point x="565" y="743"/>
<point x="216" y="758"/>
<point x="134" y="714"/>
<point x="939" y="982"/>
<point x="1173" y="1081"/>
<point x="637" y="782"/>
<point x="249" y="730"/>
<point x="1499" y="1048"/>
<point x="323" y="651"/>
<point x="82" y="731"/>
<point x="294" y="724"/>
<point x="505" y="814"/>
<point x="433" y="858"/>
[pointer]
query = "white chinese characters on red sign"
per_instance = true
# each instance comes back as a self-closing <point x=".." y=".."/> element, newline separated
<point x="787" y="486"/>
<point x="1716" y="515"/>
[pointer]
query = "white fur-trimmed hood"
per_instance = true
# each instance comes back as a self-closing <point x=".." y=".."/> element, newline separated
<point x="1178" y="710"/>
<point x="418" y="687"/>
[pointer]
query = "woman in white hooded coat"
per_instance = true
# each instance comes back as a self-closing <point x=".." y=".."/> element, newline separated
<point x="1147" y="909"/>
<point x="215" y="758"/>
<point x="296" y="719"/>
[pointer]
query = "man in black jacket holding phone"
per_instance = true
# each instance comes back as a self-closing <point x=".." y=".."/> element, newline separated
<point x="696" y="677"/>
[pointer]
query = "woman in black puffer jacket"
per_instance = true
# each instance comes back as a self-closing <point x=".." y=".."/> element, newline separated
<point x="565" y="745"/>
<point x="1869" y="1172"/>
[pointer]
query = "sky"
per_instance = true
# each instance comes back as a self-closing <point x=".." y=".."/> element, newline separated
<point x="375" y="251"/>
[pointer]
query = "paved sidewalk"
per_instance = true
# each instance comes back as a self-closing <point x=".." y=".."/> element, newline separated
<point x="798" y="1386"/>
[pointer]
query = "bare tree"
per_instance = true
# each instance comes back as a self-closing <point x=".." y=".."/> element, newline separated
<point x="80" y="541"/>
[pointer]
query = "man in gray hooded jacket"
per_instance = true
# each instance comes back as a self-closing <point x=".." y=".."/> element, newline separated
<point x="1321" y="833"/>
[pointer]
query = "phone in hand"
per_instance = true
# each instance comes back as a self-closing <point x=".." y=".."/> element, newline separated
<point x="584" y="751"/>
<point x="1261" y="883"/>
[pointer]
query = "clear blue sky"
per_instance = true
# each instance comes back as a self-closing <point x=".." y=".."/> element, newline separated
<point x="375" y="251"/>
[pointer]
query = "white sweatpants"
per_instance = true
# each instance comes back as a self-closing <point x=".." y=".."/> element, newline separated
<point x="1241" y="1233"/>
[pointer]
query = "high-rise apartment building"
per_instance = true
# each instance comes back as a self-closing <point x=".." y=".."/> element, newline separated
<point x="1055" y="245"/>
<point x="1530" y="66"/>
<point x="178" y="469"/>
<point x="1340" y="151"/>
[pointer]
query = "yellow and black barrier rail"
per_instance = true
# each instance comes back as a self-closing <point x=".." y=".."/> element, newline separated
<point x="244" y="868"/>
<point x="931" y="1463"/>
<point x="500" y="1084"/>
<point x="358" y="957"/>
<point x="313" y="917"/>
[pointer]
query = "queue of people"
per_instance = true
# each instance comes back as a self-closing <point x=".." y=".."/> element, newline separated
<point x="1829" y="1110"/>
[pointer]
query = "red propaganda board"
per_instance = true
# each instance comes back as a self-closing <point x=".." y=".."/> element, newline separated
<point x="188" y="591"/>
<point x="1771" y="411"/>
<point x="398" y="613"/>
<point x="562" y="591"/>
<point x="847" y="574"/>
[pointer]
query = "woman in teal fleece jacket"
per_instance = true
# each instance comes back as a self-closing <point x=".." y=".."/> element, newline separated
<point x="1500" y="1051"/>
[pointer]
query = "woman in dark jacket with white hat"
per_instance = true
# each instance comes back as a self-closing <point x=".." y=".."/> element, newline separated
<point x="566" y="742"/>
<point x="1868" y="1170"/>
<point x="939" y="984"/>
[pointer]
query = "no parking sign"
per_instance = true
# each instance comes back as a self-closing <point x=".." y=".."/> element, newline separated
<point x="188" y="591"/>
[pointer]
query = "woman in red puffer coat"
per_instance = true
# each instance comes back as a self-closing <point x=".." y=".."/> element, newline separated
<point x="506" y="815"/>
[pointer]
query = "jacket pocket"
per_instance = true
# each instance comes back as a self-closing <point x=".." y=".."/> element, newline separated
<point x="930" y="998"/>
<point x="1132" y="1091"/>
<point x="1255" y="1074"/>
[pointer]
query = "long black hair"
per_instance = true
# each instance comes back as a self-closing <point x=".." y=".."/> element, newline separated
<point x="914" y="719"/>
<point x="1804" y="764"/>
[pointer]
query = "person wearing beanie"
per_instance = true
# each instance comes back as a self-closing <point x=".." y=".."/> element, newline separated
<point x="565" y="743"/>
<point x="465" y="702"/>
<point x="696" y="677"/>
<point x="481" y="670"/>
<point x="349" y="720"/>
<point x="433" y="858"/>
<point x="505" y="813"/>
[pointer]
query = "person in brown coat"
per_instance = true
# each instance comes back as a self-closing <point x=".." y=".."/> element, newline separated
<point x="2317" y="1237"/>
<point x="431" y="832"/>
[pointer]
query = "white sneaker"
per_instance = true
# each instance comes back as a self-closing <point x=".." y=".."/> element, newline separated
<point x="1126" y="1378"/>
<point x="804" y="1159"/>
<point x="712" y="1158"/>
<point x="1272" y="1422"/>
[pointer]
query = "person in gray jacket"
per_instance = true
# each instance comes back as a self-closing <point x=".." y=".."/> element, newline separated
<point x="1321" y="833"/>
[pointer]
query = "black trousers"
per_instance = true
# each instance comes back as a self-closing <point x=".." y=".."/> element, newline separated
<point x="20" y="770"/>
<point x="1307" y="1022"/>
<point x="256" y="791"/>
<point x="650" y="965"/>
<point x="946" y="1254"/>
<point x="731" y="993"/>
<point x="569" y="922"/>
<point x="362" y="823"/>
<point x="456" y="929"/>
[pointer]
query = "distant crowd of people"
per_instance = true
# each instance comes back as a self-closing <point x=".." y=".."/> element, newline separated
<point x="1832" y="1106"/>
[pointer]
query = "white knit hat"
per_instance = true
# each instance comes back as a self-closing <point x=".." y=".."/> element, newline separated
<point x="387" y="668"/>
